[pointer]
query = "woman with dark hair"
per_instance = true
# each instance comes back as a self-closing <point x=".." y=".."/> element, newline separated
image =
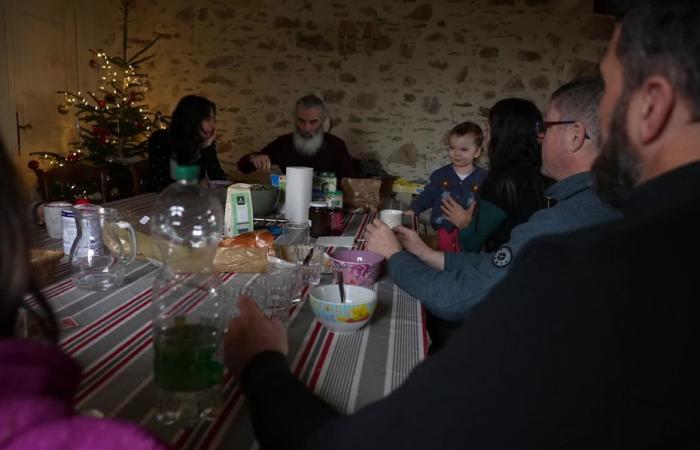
<point x="512" y="191"/>
<point x="190" y="139"/>
<point x="514" y="188"/>
<point x="39" y="380"/>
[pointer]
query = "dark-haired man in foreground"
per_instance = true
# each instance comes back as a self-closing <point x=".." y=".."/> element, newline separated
<point x="592" y="340"/>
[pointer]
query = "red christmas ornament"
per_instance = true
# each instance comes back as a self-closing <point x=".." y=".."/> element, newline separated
<point x="100" y="131"/>
<point x="101" y="103"/>
<point x="72" y="157"/>
<point x="33" y="164"/>
<point x="104" y="139"/>
<point x="93" y="64"/>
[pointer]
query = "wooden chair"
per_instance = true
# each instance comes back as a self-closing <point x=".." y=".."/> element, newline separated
<point x="141" y="177"/>
<point x="70" y="173"/>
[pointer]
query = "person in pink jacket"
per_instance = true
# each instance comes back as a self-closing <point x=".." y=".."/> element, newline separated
<point x="38" y="380"/>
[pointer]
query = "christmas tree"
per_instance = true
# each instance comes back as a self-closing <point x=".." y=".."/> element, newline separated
<point x="113" y="121"/>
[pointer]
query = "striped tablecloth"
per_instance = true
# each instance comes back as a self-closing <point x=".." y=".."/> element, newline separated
<point x="112" y="341"/>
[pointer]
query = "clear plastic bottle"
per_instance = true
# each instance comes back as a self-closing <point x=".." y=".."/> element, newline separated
<point x="188" y="323"/>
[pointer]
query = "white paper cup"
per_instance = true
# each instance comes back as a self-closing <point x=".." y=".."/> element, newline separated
<point x="391" y="217"/>
<point x="53" y="219"/>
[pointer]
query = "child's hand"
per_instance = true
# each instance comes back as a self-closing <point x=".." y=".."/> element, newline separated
<point x="409" y="212"/>
<point x="457" y="215"/>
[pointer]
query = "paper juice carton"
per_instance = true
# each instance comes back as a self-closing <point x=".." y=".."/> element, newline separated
<point x="239" y="210"/>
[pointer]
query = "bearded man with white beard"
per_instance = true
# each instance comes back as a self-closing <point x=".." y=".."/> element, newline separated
<point x="592" y="340"/>
<point x="307" y="146"/>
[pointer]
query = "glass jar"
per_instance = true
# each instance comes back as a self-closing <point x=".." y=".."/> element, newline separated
<point x="318" y="215"/>
<point x="336" y="218"/>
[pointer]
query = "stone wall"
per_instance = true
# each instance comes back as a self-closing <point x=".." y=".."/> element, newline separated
<point x="396" y="75"/>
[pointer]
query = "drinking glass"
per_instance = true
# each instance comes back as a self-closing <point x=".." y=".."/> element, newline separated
<point x="293" y="234"/>
<point x="274" y="293"/>
<point x="311" y="271"/>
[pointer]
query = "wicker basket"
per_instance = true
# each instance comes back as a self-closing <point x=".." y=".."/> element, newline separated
<point x="44" y="264"/>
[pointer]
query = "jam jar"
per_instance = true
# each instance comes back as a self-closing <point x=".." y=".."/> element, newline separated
<point x="318" y="215"/>
<point x="336" y="219"/>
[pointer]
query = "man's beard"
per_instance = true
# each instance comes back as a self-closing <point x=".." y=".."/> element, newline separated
<point x="616" y="170"/>
<point x="308" y="146"/>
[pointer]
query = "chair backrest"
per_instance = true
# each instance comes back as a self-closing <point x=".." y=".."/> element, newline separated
<point x="50" y="182"/>
<point x="141" y="177"/>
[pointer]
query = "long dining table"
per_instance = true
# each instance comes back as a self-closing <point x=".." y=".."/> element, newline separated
<point x="109" y="333"/>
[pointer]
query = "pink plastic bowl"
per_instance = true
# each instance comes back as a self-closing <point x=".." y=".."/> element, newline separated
<point x="359" y="267"/>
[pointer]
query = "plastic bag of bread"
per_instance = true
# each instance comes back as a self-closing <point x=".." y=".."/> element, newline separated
<point x="245" y="253"/>
<point x="241" y="260"/>
<point x="361" y="193"/>
<point x="254" y="239"/>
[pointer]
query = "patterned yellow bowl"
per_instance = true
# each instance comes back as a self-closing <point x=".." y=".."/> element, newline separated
<point x="343" y="317"/>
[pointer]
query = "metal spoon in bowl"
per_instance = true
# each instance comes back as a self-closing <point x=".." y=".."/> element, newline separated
<point x="341" y="287"/>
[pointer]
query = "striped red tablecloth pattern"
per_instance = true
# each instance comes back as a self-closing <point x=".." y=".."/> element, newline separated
<point x="113" y="342"/>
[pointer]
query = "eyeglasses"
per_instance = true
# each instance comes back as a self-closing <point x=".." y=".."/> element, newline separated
<point x="541" y="127"/>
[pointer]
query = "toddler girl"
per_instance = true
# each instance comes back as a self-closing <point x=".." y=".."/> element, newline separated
<point x="458" y="180"/>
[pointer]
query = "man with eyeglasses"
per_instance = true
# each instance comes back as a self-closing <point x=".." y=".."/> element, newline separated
<point x="451" y="284"/>
<point x="592" y="341"/>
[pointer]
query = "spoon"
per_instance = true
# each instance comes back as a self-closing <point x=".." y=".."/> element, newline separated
<point x="341" y="287"/>
<point x="308" y="257"/>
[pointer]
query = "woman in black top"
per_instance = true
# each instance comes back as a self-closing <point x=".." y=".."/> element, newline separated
<point x="189" y="140"/>
<point x="512" y="191"/>
<point x="514" y="188"/>
<point x="514" y="183"/>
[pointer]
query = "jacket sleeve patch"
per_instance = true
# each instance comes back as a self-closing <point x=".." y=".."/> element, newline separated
<point x="502" y="257"/>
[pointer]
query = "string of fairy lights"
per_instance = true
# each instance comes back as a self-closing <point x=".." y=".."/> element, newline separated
<point x="111" y="121"/>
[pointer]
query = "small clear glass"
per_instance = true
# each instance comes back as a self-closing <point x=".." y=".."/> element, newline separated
<point x="274" y="293"/>
<point x="293" y="234"/>
<point x="312" y="270"/>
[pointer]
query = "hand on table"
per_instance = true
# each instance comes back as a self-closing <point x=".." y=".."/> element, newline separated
<point x="380" y="239"/>
<point x="457" y="215"/>
<point x="261" y="162"/>
<point x="251" y="333"/>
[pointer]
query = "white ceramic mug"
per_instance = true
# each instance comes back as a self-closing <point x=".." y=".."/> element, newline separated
<point x="391" y="217"/>
<point x="53" y="219"/>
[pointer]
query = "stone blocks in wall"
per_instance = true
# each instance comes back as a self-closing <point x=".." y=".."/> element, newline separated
<point x="396" y="74"/>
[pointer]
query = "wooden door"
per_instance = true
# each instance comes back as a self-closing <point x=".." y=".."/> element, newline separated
<point x="39" y="57"/>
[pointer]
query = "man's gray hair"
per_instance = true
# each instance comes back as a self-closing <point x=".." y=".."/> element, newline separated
<point x="579" y="100"/>
<point x="311" y="101"/>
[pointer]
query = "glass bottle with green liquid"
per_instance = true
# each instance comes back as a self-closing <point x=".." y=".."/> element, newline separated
<point x="188" y="324"/>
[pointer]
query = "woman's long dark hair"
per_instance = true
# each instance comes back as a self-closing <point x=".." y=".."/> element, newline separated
<point x="513" y="144"/>
<point x="185" y="140"/>
<point x="16" y="279"/>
